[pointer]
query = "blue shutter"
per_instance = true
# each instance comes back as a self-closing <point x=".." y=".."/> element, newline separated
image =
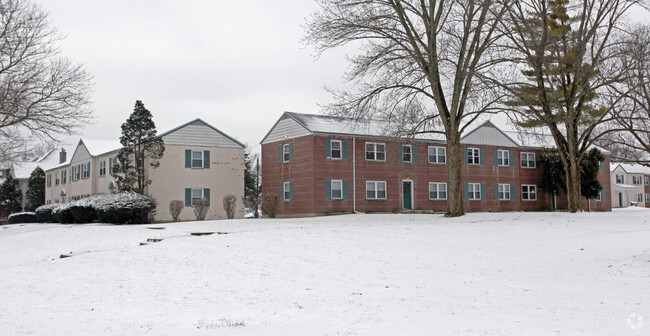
<point x="482" y="150"/>
<point x="188" y="158"/>
<point x="281" y="145"/>
<point x="346" y="193"/>
<point x="291" y="152"/>
<point x="291" y="191"/>
<point x="602" y="166"/>
<point x="512" y="158"/>
<point x="414" y="153"/>
<point x="483" y="191"/>
<point x="496" y="157"/>
<point x="496" y="190"/>
<point x="188" y="197"/>
<point x="512" y="191"/>
<point x="206" y="193"/>
<point x="400" y="154"/>
<point x="328" y="189"/>
<point x="602" y="197"/>
<point x="464" y="155"/>
<point x="344" y="149"/>
<point x="328" y="148"/>
<point x="466" y="190"/>
<point x="281" y="193"/>
<point x="206" y="159"/>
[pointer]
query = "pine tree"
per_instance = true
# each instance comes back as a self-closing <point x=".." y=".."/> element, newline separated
<point x="250" y="183"/>
<point x="554" y="176"/>
<point x="141" y="146"/>
<point x="10" y="197"/>
<point x="36" y="190"/>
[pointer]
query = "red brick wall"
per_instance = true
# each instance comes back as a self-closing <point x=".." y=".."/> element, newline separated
<point x="310" y="169"/>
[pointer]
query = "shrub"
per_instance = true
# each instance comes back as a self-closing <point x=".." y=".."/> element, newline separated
<point x="83" y="213"/>
<point x="44" y="213"/>
<point x="201" y="208"/>
<point x="252" y="202"/>
<point x="124" y="208"/>
<point x="175" y="208"/>
<point x="269" y="204"/>
<point x="22" y="217"/>
<point x="62" y="214"/>
<point x="229" y="203"/>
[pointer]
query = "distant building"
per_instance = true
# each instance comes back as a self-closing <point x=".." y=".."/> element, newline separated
<point x="199" y="162"/>
<point x="630" y="185"/>
<point x="321" y="164"/>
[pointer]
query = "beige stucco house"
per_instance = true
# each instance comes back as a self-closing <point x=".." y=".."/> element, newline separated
<point x="199" y="162"/>
<point x="630" y="185"/>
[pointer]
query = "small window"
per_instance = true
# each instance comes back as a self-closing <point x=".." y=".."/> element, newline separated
<point x="64" y="176"/>
<point x="76" y="173"/>
<point x="527" y="160"/>
<point x="474" y="190"/>
<point x="437" y="190"/>
<point x="639" y="198"/>
<point x="599" y="197"/>
<point x="56" y="179"/>
<point x="286" y="152"/>
<point x="102" y="168"/>
<point x="620" y="179"/>
<point x="335" y="150"/>
<point x="197" y="195"/>
<point x="197" y="159"/>
<point x="473" y="156"/>
<point x="529" y="192"/>
<point x="85" y="170"/>
<point x="646" y="180"/>
<point x="286" y="191"/>
<point x="375" y="151"/>
<point x="504" y="191"/>
<point x="337" y="189"/>
<point x="407" y="153"/>
<point x="503" y="158"/>
<point x="647" y="197"/>
<point x="437" y="155"/>
<point x="48" y="180"/>
<point x="376" y="190"/>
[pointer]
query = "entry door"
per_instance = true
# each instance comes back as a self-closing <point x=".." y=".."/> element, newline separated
<point x="620" y="199"/>
<point x="407" y="191"/>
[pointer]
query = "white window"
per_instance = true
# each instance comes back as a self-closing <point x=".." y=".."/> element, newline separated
<point x="620" y="179"/>
<point x="474" y="191"/>
<point x="527" y="160"/>
<point x="286" y="152"/>
<point x="76" y="173"/>
<point x="375" y="151"/>
<point x="335" y="149"/>
<point x="437" y="155"/>
<point x="102" y="168"/>
<point x="437" y="190"/>
<point x="337" y="189"/>
<point x="64" y="176"/>
<point x="503" y="158"/>
<point x="504" y="191"/>
<point x="646" y="180"/>
<point x="197" y="195"/>
<point x="85" y="170"/>
<point x="473" y="156"/>
<point x="636" y="179"/>
<point x="286" y="191"/>
<point x="197" y="159"/>
<point x="599" y="197"/>
<point x="376" y="190"/>
<point x="529" y="192"/>
<point x="639" y="198"/>
<point x="407" y="153"/>
<point x="56" y="178"/>
<point x="48" y="180"/>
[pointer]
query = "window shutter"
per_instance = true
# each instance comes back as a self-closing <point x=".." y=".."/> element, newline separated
<point x="464" y="155"/>
<point x="206" y="159"/>
<point x="496" y="190"/>
<point x="496" y="157"/>
<point x="603" y="193"/>
<point x="414" y="153"/>
<point x="281" y="153"/>
<point x="602" y="166"/>
<point x="399" y="153"/>
<point x="512" y="191"/>
<point x="346" y="193"/>
<point x="188" y="158"/>
<point x="344" y="149"/>
<point x="328" y="189"/>
<point x="281" y="193"/>
<point x="466" y="191"/>
<point x="482" y="157"/>
<point x="291" y="152"/>
<point x="483" y="189"/>
<point x="328" y="148"/>
<point x="206" y="193"/>
<point x="188" y="197"/>
<point x="291" y="191"/>
<point x="512" y="158"/>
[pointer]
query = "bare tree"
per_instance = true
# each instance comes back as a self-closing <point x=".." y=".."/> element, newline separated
<point x="229" y="204"/>
<point x="41" y="92"/>
<point x="420" y="65"/>
<point x="566" y="54"/>
<point x="175" y="208"/>
<point x="201" y="208"/>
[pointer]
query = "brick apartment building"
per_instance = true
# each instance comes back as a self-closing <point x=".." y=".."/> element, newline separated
<point x="321" y="164"/>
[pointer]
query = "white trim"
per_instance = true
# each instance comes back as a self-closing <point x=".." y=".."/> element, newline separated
<point x="436" y="154"/>
<point x="375" y="151"/>
<point x="527" y="154"/>
<point x="475" y="156"/>
<point x="528" y="192"/>
<point x="340" y="182"/>
<point x="376" y="190"/>
<point x="438" y="184"/>
<point x="472" y="193"/>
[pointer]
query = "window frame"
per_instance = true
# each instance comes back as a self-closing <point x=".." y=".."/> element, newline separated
<point x="436" y="154"/>
<point x="620" y="179"/>
<point x="192" y="198"/>
<point x="598" y="198"/>
<point x="474" y="155"/>
<point x="48" y="180"/>
<point x="647" y="197"/>
<point x="340" y="150"/>
<point x="64" y="176"/>
<point x="286" y="191"/>
<point x="375" y="151"/>
<point x="437" y="191"/>
<point x="102" y="168"/>
<point x="527" y="161"/>
<point x="404" y="153"/>
<point x="286" y="152"/>
<point x="192" y="159"/>
<point x="376" y="191"/>
<point x="639" y="198"/>
<point x="471" y="191"/>
<point x="646" y="180"/>
<point x="57" y="181"/>
<point x="503" y="194"/>
<point x="528" y="192"/>
<point x="340" y="189"/>
<point x="85" y="170"/>
<point x="504" y="160"/>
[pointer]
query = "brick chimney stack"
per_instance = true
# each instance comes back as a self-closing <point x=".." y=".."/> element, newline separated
<point x="62" y="156"/>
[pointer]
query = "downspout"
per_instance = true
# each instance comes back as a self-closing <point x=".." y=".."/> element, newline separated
<point x="354" y="174"/>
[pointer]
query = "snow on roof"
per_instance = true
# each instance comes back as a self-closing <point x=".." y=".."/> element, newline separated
<point x="631" y="168"/>
<point x="98" y="147"/>
<point x="625" y="186"/>
<point x="23" y="169"/>
<point x="52" y="159"/>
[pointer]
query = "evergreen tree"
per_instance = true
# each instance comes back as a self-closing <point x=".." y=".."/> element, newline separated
<point x="36" y="190"/>
<point x="590" y="187"/>
<point x="554" y="177"/>
<point x="141" y="146"/>
<point x="10" y="197"/>
<point x="250" y="177"/>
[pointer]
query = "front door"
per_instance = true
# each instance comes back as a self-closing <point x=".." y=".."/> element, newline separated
<point x="407" y="187"/>
<point x="620" y="200"/>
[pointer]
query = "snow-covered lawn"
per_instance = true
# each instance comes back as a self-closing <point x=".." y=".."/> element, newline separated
<point x="380" y="274"/>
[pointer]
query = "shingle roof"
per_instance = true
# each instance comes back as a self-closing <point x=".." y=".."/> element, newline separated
<point x="631" y="168"/>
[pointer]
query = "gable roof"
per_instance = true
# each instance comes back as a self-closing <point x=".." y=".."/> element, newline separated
<point x="631" y="168"/>
<point x="198" y="121"/>
<point x="23" y="169"/>
<point x="488" y="133"/>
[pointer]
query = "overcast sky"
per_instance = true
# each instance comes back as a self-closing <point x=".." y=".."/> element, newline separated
<point x="235" y="64"/>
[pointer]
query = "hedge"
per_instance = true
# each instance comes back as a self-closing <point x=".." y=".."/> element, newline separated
<point x="22" y="217"/>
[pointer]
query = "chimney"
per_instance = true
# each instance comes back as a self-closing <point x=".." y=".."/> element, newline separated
<point x="62" y="156"/>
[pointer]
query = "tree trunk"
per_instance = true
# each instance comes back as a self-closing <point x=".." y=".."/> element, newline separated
<point x="573" y="185"/>
<point x="455" y="189"/>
